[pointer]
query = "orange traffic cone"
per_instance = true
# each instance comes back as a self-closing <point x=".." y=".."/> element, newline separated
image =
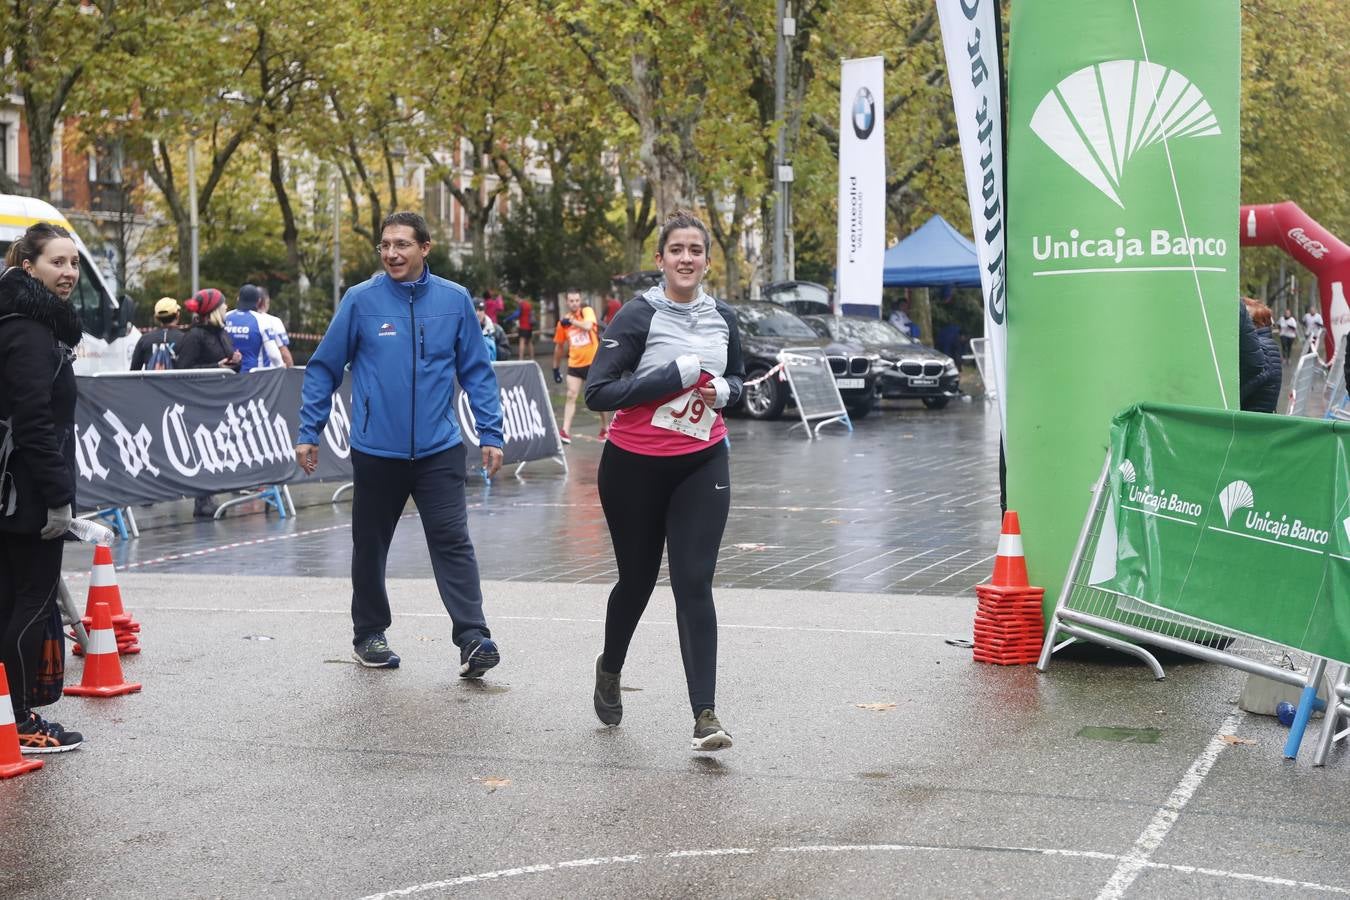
<point x="11" y="757"/>
<point x="1010" y="566"/>
<point x="102" y="668"/>
<point x="1008" y="625"/>
<point x="103" y="588"/>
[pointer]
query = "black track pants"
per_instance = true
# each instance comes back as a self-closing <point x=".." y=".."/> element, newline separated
<point x="30" y="570"/>
<point x="679" y="503"/>
<point x="382" y="489"/>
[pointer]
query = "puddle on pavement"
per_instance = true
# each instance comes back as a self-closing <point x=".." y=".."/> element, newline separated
<point x="1120" y="735"/>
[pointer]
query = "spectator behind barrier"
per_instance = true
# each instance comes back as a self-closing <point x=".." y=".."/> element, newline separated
<point x="1259" y="363"/>
<point x="157" y="350"/>
<point x="276" y="340"/>
<point x="249" y="332"/>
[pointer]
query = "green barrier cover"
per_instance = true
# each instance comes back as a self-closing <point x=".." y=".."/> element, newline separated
<point x="1123" y="240"/>
<point x="1239" y="519"/>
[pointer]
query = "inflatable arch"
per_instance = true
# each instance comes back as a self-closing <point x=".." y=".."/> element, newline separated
<point x="1286" y="226"/>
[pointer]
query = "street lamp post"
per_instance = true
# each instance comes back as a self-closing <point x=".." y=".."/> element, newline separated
<point x="337" y="244"/>
<point x="787" y="27"/>
<point x="192" y="208"/>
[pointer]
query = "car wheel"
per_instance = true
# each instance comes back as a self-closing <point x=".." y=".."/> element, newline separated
<point x="936" y="402"/>
<point x="764" y="400"/>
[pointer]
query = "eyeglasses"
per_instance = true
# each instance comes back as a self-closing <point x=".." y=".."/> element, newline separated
<point x="400" y="246"/>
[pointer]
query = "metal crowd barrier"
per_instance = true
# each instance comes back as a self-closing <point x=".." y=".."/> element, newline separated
<point x="1085" y="612"/>
<point x="1340" y="707"/>
<point x="979" y="349"/>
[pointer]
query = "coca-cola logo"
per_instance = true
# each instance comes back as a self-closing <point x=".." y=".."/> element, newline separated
<point x="1316" y="249"/>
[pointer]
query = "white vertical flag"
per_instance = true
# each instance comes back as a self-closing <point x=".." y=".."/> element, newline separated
<point x="971" y="39"/>
<point x="862" y="187"/>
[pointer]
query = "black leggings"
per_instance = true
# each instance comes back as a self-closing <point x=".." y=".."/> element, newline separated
<point x="30" y="570"/>
<point x="679" y="503"/>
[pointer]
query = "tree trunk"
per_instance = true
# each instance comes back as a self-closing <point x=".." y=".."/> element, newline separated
<point x="638" y="221"/>
<point x="921" y="311"/>
<point x="40" y="138"/>
<point x="290" y="235"/>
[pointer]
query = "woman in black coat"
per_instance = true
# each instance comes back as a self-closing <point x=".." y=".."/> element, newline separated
<point x="207" y="345"/>
<point x="38" y="332"/>
<point x="1260" y="366"/>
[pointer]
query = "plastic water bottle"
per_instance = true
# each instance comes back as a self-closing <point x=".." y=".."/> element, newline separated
<point x="1285" y="711"/>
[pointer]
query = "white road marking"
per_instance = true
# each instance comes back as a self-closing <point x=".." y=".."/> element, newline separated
<point x="848" y="848"/>
<point x="1161" y="824"/>
<point x="967" y="568"/>
<point x="932" y="565"/>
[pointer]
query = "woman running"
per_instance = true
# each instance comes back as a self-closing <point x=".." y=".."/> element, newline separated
<point x="669" y="363"/>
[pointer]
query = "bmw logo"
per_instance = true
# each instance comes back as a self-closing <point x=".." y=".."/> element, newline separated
<point x="864" y="113"/>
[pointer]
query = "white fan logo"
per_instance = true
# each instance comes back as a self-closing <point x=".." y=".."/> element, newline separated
<point x="1100" y="116"/>
<point x="1236" y="496"/>
<point x="1346" y="523"/>
<point x="1127" y="472"/>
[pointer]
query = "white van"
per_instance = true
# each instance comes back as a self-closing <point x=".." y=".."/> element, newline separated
<point x="108" y="342"/>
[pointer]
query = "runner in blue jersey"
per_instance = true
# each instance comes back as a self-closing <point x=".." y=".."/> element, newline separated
<point x="246" y="328"/>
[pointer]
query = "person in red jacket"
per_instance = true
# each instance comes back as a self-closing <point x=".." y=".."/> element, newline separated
<point x="524" y="329"/>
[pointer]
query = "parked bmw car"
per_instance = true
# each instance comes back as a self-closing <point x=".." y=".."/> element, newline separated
<point x="909" y="370"/>
<point x="767" y="328"/>
<point x="802" y="297"/>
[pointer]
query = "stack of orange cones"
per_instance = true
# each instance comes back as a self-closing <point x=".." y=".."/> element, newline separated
<point x="103" y="589"/>
<point x="1009" y="623"/>
<point x="11" y="757"/>
<point x="102" y="667"/>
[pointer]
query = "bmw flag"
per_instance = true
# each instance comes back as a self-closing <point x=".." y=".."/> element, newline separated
<point x="862" y="187"/>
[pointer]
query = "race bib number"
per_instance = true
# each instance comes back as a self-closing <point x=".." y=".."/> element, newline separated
<point x="687" y="414"/>
<point x="578" y="337"/>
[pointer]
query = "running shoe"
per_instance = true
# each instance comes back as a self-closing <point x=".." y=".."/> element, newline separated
<point x="564" y="436"/>
<point x="708" y="733"/>
<point x="373" y="652"/>
<point x="477" y="657"/>
<point x="36" y="735"/>
<point x="608" y="697"/>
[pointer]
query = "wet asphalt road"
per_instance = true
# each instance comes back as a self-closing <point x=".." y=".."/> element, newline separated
<point x="872" y="757"/>
<point x="907" y="503"/>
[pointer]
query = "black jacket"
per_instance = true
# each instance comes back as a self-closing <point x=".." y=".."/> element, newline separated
<point x="203" y="347"/>
<point x="37" y="402"/>
<point x="165" y="334"/>
<point x="1260" y="384"/>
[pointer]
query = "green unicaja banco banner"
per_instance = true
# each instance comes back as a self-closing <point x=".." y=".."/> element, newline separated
<point x="1239" y="519"/>
<point x="1122" y="245"/>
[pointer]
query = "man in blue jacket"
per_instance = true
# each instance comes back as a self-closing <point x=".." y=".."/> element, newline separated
<point x="407" y="334"/>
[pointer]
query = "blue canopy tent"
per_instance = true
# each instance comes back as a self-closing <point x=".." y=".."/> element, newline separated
<point x="936" y="255"/>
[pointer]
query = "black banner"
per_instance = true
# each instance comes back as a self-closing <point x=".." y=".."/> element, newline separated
<point x="153" y="436"/>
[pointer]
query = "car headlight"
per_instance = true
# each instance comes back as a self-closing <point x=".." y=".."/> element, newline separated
<point x="950" y="368"/>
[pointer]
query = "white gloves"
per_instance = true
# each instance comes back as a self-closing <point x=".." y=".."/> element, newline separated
<point x="719" y="384"/>
<point x="58" y="522"/>
<point x="689" y="366"/>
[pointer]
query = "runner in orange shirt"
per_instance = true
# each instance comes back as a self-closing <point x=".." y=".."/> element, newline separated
<point x="577" y="333"/>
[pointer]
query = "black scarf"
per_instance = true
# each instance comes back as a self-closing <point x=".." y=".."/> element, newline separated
<point x="22" y="294"/>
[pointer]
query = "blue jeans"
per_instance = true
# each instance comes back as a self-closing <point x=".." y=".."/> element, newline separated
<point x="382" y="488"/>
